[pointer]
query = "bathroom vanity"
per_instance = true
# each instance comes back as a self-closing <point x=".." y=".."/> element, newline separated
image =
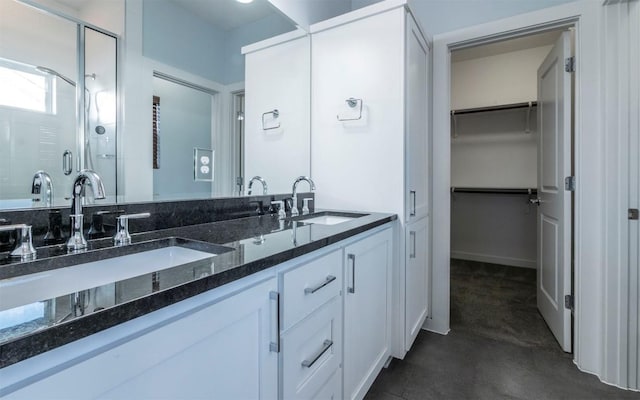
<point x="254" y="307"/>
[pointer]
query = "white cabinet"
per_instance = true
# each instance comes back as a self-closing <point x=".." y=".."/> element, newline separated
<point x="367" y="311"/>
<point x="417" y="278"/>
<point x="383" y="60"/>
<point x="220" y="348"/>
<point x="317" y="327"/>
<point x="416" y="123"/>
<point x="312" y="327"/>
<point x="312" y="352"/>
<point x="277" y="78"/>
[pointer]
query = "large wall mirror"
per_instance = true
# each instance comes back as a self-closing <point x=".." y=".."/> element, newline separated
<point x="58" y="92"/>
<point x="136" y="108"/>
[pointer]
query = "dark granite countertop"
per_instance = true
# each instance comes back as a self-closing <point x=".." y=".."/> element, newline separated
<point x="230" y="249"/>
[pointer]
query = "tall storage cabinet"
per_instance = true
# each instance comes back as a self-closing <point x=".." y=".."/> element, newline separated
<point x="370" y="153"/>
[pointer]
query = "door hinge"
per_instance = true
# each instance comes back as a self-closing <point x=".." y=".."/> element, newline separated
<point x="568" y="302"/>
<point x="570" y="183"/>
<point x="570" y="64"/>
<point x="633" y="213"/>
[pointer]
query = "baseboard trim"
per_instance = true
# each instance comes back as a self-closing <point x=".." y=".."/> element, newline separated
<point x="487" y="258"/>
<point x="435" y="326"/>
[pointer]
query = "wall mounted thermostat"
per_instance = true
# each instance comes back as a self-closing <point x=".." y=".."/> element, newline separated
<point x="202" y="165"/>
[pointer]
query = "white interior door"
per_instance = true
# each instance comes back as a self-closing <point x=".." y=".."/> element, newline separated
<point x="554" y="211"/>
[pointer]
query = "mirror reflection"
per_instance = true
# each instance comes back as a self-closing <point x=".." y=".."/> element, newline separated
<point x="45" y="136"/>
<point x="91" y="106"/>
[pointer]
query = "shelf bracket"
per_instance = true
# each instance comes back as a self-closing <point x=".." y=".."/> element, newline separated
<point x="454" y="123"/>
<point x="527" y="128"/>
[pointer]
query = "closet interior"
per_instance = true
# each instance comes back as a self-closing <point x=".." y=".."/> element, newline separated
<point x="495" y="163"/>
<point x="494" y="156"/>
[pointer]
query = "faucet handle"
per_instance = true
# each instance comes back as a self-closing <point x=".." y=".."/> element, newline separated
<point x="305" y="207"/>
<point x="24" y="249"/>
<point x="281" y="213"/>
<point x="293" y="206"/>
<point x="122" y="237"/>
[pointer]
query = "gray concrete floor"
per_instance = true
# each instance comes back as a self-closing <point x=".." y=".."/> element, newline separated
<point x="499" y="347"/>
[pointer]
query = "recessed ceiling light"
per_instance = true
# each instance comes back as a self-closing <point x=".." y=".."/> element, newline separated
<point x="244" y="1"/>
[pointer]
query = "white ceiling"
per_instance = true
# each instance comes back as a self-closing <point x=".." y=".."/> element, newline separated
<point x="506" y="46"/>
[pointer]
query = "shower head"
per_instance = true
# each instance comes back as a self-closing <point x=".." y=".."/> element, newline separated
<point x="53" y="72"/>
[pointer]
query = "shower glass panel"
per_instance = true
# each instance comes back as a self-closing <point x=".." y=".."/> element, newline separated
<point x="57" y="104"/>
<point x="38" y="67"/>
<point x="100" y="105"/>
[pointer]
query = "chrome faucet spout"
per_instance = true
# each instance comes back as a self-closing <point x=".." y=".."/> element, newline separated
<point x="40" y="179"/>
<point x="294" y="194"/>
<point x="85" y="178"/>
<point x="261" y="180"/>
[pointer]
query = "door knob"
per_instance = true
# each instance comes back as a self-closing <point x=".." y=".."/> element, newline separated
<point x="535" y="201"/>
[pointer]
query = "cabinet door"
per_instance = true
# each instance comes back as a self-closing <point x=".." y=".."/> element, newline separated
<point x="367" y="311"/>
<point x="416" y="279"/>
<point x="416" y="116"/>
<point x="218" y="351"/>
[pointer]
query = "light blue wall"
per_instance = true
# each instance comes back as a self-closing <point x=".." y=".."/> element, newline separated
<point x="185" y="123"/>
<point x="261" y="29"/>
<point x="181" y="39"/>
<point x="177" y="37"/>
<point x="439" y="16"/>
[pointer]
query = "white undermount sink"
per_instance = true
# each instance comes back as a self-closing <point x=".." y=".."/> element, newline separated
<point x="328" y="220"/>
<point x="27" y="289"/>
<point x="328" y="217"/>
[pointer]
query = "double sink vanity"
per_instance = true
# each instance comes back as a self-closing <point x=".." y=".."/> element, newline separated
<point x="245" y="304"/>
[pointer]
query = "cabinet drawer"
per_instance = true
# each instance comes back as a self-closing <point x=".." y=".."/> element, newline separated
<point x="332" y="390"/>
<point x="312" y="352"/>
<point x="308" y="287"/>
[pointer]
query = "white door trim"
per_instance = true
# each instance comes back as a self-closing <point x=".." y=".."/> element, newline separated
<point x="589" y="163"/>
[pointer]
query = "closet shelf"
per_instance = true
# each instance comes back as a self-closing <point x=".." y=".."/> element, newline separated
<point x="494" y="108"/>
<point x="527" y="105"/>
<point x="494" y="190"/>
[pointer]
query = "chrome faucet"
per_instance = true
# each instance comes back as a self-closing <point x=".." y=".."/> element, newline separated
<point x="23" y="249"/>
<point x="41" y="179"/>
<point x="84" y="178"/>
<point x="261" y="180"/>
<point x="294" y="196"/>
<point x="123" y="237"/>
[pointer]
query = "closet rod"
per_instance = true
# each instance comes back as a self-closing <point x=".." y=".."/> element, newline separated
<point x="494" y="190"/>
<point x="494" y="108"/>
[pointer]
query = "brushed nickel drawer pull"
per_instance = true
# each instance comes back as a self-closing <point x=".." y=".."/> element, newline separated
<point x="275" y="346"/>
<point x="352" y="257"/>
<point x="330" y="278"/>
<point x="325" y="346"/>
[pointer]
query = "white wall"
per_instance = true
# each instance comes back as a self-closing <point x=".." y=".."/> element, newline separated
<point x="500" y="79"/>
<point x="492" y="150"/>
<point x="494" y="228"/>
<point x="277" y="77"/>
